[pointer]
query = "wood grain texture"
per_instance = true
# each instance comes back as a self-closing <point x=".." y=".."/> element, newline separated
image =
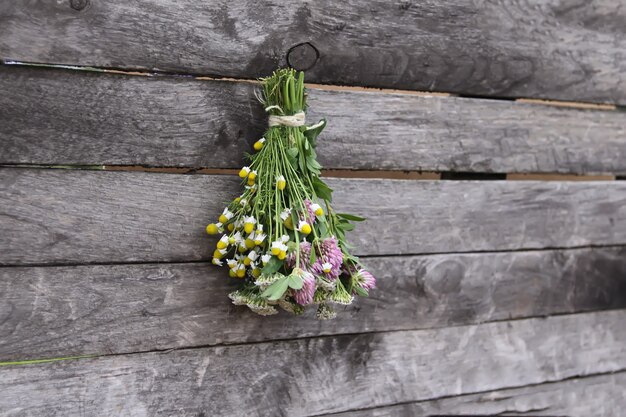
<point x="50" y="312"/>
<point x="321" y="375"/>
<point x="70" y="216"/>
<point x="62" y="117"/>
<point x="598" y="396"/>
<point x="552" y="49"/>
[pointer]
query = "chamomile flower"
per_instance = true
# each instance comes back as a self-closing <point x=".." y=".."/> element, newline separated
<point x="244" y="172"/>
<point x="249" y="241"/>
<point x="219" y="253"/>
<point x="259" y="238"/>
<point x="226" y="215"/>
<point x="285" y="214"/>
<point x="281" y="183"/>
<point x="304" y="227"/>
<point x="248" y="224"/>
<point x="212" y="229"/>
<point x="327" y="267"/>
<point x="258" y="145"/>
<point x="223" y="242"/>
<point x="276" y="247"/>
<point x="241" y="271"/>
<point x="279" y="249"/>
<point x="317" y="209"/>
<point x="215" y="228"/>
<point x="231" y="263"/>
<point x="252" y="175"/>
<point x="265" y="258"/>
<point x="242" y="247"/>
<point x="237" y="238"/>
<point x="252" y="256"/>
<point x="217" y="261"/>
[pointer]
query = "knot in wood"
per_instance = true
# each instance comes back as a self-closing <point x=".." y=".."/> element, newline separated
<point x="78" y="4"/>
<point x="302" y="56"/>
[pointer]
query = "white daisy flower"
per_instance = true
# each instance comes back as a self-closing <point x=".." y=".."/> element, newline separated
<point x="259" y="238"/>
<point x="285" y="213"/>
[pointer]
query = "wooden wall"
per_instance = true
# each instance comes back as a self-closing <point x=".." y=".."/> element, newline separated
<point x="496" y="221"/>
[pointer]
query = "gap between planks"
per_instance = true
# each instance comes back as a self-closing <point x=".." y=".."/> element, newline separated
<point x="469" y="395"/>
<point x="328" y="87"/>
<point x="35" y="361"/>
<point x="370" y="256"/>
<point x="341" y="173"/>
<point x="398" y="175"/>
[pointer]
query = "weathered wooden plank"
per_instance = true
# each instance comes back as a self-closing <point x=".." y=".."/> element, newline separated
<point x="56" y="117"/>
<point x="322" y="375"/>
<point x="66" y="311"/>
<point x="503" y="48"/>
<point x="598" y="396"/>
<point x="69" y="216"/>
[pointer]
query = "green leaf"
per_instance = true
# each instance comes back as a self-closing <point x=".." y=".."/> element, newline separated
<point x="351" y="217"/>
<point x="292" y="152"/>
<point x="312" y="163"/>
<point x="293" y="161"/>
<point x="340" y="234"/>
<point x="361" y="291"/>
<point x="302" y="163"/>
<point x="295" y="282"/>
<point x="323" y="230"/>
<point x="276" y="290"/>
<point x="313" y="256"/>
<point x="272" y="266"/>
<point x="312" y="132"/>
<point x="322" y="190"/>
<point x="345" y="226"/>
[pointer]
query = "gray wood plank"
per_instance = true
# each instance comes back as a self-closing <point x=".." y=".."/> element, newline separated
<point x="67" y="311"/>
<point x="321" y="375"/>
<point x="62" y="117"/>
<point x="598" y="396"/>
<point x="502" y="48"/>
<point x="70" y="216"/>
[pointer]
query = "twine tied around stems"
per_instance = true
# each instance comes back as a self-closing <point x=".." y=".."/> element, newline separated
<point x="294" y="120"/>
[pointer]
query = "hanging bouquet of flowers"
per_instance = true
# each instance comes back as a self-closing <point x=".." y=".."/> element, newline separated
<point x="281" y="236"/>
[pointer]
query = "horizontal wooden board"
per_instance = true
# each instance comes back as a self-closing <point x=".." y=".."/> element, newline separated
<point x="72" y="216"/>
<point x="598" y="396"/>
<point x="61" y="117"/>
<point x="321" y="375"/>
<point x="66" y="311"/>
<point x="503" y="48"/>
